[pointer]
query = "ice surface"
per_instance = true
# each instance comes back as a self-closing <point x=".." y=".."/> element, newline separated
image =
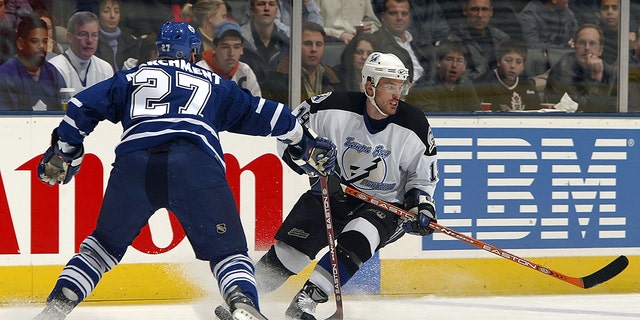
<point x="564" y="307"/>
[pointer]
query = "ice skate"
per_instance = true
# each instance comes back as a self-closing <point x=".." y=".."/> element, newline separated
<point x="57" y="309"/>
<point x="241" y="307"/>
<point x="304" y="303"/>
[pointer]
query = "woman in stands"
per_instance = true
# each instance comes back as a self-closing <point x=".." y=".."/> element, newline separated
<point x="353" y="58"/>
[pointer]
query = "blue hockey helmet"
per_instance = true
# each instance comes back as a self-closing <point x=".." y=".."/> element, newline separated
<point x="176" y="40"/>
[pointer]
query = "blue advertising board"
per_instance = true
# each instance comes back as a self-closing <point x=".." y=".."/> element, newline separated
<point x="538" y="188"/>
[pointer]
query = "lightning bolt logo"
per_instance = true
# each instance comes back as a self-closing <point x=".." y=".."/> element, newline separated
<point x="361" y="171"/>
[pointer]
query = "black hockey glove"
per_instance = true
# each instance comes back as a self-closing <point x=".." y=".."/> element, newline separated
<point x="58" y="166"/>
<point x="421" y="204"/>
<point x="315" y="155"/>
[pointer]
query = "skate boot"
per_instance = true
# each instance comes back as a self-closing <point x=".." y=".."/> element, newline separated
<point x="58" y="308"/>
<point x="304" y="303"/>
<point x="241" y="307"/>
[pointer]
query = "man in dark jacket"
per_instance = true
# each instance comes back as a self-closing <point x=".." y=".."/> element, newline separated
<point x="265" y="45"/>
<point x="417" y="53"/>
<point x="481" y="39"/>
<point x="450" y="90"/>
<point x="583" y="75"/>
<point x="316" y="77"/>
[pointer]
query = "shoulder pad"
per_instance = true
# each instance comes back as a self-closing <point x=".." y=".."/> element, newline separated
<point x="320" y="97"/>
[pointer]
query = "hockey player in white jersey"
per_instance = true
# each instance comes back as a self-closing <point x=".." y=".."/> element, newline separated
<point x="169" y="157"/>
<point x="386" y="149"/>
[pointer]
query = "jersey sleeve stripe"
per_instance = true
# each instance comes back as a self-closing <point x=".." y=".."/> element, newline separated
<point x="260" y="105"/>
<point x="276" y="116"/>
<point x="66" y="119"/>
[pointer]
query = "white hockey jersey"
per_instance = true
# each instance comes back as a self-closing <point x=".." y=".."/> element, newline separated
<point x="385" y="162"/>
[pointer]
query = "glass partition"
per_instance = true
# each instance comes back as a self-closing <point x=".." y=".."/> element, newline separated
<point x="519" y="56"/>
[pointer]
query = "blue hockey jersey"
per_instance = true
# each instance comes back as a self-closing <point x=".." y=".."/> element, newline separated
<point x="162" y="100"/>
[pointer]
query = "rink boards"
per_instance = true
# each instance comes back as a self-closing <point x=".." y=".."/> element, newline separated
<point x="559" y="191"/>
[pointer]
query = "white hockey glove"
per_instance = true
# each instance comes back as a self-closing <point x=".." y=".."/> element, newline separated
<point x="315" y="155"/>
<point x="58" y="166"/>
<point x="421" y="204"/>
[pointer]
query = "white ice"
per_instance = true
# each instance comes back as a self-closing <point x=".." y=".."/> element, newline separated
<point x="548" y="307"/>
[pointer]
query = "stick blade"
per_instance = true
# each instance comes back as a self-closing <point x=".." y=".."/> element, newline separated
<point x="605" y="274"/>
<point x="336" y="316"/>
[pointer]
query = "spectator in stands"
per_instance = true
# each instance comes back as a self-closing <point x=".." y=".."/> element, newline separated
<point x="52" y="47"/>
<point x="481" y="39"/>
<point x="78" y="65"/>
<point x="115" y="44"/>
<point x="505" y="87"/>
<point x="341" y="17"/>
<point x="316" y="77"/>
<point x="450" y="90"/>
<point x="353" y="57"/>
<point x="548" y="24"/>
<point x="28" y="81"/>
<point x="265" y="44"/>
<point x="310" y="12"/>
<point x="583" y="75"/>
<point x="224" y="58"/>
<point x="141" y="17"/>
<point x="427" y="19"/>
<point x="206" y="15"/>
<point x="7" y="36"/>
<point x="417" y="53"/>
<point x="608" y="20"/>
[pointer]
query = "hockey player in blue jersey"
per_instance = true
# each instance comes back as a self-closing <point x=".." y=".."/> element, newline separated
<point x="385" y="149"/>
<point x="170" y="157"/>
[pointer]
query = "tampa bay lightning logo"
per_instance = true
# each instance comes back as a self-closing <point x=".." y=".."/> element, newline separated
<point x="365" y="165"/>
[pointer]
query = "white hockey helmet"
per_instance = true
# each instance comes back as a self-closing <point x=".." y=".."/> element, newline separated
<point x="383" y="65"/>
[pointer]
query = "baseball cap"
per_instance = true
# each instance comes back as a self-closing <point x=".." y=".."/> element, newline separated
<point x="227" y="28"/>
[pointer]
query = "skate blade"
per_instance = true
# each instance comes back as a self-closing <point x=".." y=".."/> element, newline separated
<point x="223" y="313"/>
<point x="242" y="314"/>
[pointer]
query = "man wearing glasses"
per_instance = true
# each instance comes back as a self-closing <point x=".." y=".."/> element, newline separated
<point x="583" y="75"/>
<point x="78" y="65"/>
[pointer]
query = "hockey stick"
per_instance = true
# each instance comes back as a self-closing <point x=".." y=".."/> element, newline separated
<point x="604" y="274"/>
<point x="337" y="289"/>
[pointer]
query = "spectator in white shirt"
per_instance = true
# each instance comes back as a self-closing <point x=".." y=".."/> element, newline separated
<point x="78" y="65"/>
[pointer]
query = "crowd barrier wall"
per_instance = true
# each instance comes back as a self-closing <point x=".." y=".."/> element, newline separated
<point x="557" y="190"/>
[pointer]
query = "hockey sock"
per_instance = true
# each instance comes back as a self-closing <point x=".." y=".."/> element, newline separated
<point x="83" y="272"/>
<point x="325" y="264"/>
<point x="270" y="272"/>
<point x="236" y="270"/>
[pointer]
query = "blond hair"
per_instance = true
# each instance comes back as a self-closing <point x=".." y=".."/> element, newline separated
<point x="198" y="11"/>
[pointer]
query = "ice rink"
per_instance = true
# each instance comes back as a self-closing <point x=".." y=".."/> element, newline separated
<point x="565" y="307"/>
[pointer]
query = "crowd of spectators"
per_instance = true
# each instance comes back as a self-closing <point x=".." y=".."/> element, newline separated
<point x="512" y="55"/>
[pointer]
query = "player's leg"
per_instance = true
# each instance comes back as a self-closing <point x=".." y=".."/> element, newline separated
<point x="124" y="211"/>
<point x="298" y="240"/>
<point x="357" y="242"/>
<point x="203" y="202"/>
